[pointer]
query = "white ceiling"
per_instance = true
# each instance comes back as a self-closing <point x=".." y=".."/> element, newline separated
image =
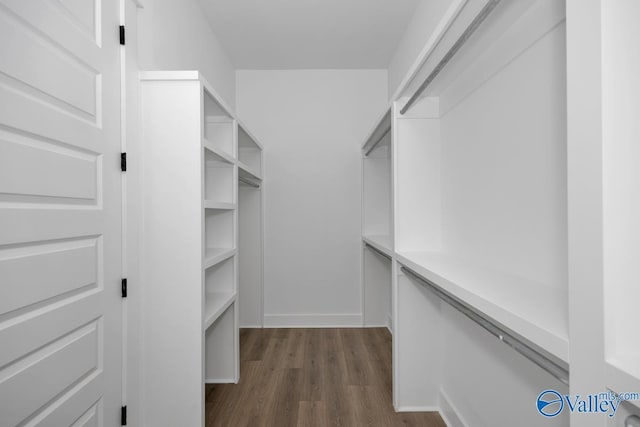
<point x="301" y="34"/>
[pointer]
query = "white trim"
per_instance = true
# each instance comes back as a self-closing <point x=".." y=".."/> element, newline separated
<point x="263" y="198"/>
<point x="220" y="381"/>
<point x="312" y="320"/>
<point x="194" y="75"/>
<point x="417" y="409"/>
<point x="169" y="75"/>
<point x="449" y="413"/>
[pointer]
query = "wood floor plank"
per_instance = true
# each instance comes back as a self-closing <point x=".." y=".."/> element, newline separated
<point x="341" y="412"/>
<point x="294" y="354"/>
<point x="282" y="410"/>
<point x="370" y="406"/>
<point x="255" y="343"/>
<point x="224" y="405"/>
<point x="313" y="414"/>
<point x="312" y="377"/>
<point x="356" y="357"/>
<point x="333" y="363"/>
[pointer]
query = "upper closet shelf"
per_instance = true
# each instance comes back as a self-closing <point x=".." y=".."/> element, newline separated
<point x="245" y="171"/>
<point x="381" y="242"/>
<point x="536" y="312"/>
<point x="221" y="155"/>
<point x="249" y="154"/>
<point x="378" y="133"/>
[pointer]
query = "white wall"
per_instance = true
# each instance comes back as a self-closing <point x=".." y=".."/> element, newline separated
<point x="175" y="35"/>
<point x="312" y="123"/>
<point x="420" y="31"/>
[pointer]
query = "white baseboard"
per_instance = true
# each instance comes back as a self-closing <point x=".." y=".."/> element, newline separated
<point x="390" y="324"/>
<point x="449" y="413"/>
<point x="220" y="381"/>
<point x="312" y="320"/>
<point x="250" y="326"/>
<point x="417" y="409"/>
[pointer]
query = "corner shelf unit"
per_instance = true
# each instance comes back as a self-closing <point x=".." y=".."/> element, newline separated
<point x="377" y="224"/>
<point x="220" y="320"/>
<point x="194" y="156"/>
<point x="251" y="226"/>
<point x="249" y="154"/>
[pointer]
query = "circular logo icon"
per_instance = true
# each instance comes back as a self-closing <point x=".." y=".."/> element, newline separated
<point x="550" y="403"/>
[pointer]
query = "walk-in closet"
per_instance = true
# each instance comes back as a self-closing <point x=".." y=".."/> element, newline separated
<point x="319" y="213"/>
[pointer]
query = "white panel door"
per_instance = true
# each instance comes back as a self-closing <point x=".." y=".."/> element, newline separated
<point x="60" y="213"/>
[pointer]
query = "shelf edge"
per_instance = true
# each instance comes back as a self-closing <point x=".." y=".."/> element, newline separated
<point x="221" y="257"/>
<point x="552" y="343"/>
<point x="211" y="318"/>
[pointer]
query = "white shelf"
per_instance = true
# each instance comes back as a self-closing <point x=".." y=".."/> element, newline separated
<point x="249" y="151"/>
<point x="381" y="242"/>
<point x="208" y="145"/>
<point x="537" y="312"/>
<point x="623" y="374"/>
<point x="210" y="204"/>
<point x="215" y="304"/>
<point x="213" y="256"/>
<point x="198" y="198"/>
<point x="382" y="125"/>
<point x="218" y="117"/>
<point x="245" y="171"/>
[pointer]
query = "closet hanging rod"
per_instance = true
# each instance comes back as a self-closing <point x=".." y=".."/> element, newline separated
<point x="248" y="182"/>
<point x="375" y="144"/>
<point x="480" y="17"/>
<point x="555" y="370"/>
<point x="378" y="251"/>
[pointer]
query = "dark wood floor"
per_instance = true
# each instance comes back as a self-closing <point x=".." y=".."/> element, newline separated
<point x="311" y="377"/>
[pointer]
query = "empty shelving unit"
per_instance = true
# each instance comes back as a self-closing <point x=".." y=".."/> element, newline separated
<point x="377" y="224"/>
<point x="250" y="229"/>
<point x="189" y="256"/>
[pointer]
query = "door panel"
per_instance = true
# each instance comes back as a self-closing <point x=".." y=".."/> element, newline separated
<point x="60" y="213"/>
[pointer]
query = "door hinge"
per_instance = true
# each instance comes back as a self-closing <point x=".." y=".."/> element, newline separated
<point x="124" y="290"/>
<point x="123" y="416"/>
<point x="122" y="35"/>
<point x="123" y="162"/>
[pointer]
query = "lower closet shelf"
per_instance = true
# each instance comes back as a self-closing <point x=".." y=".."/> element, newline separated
<point x="535" y="311"/>
<point x="215" y="304"/>
<point x="210" y="204"/>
